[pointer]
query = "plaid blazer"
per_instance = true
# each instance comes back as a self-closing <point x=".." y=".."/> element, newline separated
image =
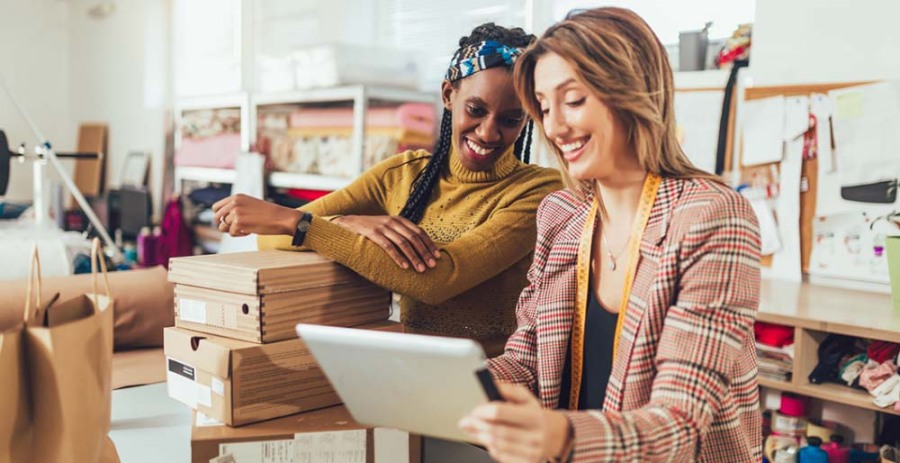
<point x="683" y="385"/>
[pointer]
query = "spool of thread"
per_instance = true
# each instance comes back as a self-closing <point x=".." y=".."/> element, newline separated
<point x="792" y="405"/>
<point x="786" y="455"/>
<point x="784" y="425"/>
<point x="775" y="443"/>
<point x="821" y="429"/>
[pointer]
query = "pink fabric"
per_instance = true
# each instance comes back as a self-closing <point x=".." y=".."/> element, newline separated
<point x="876" y="373"/>
<point x="418" y="117"/>
<point x="176" y="239"/>
<point x="216" y="151"/>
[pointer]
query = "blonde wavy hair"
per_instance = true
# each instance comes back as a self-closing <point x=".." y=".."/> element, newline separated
<point x="618" y="57"/>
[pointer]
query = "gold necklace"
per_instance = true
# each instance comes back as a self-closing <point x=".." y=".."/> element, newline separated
<point x="612" y="258"/>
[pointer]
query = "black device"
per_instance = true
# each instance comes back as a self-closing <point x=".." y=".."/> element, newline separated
<point x="487" y="383"/>
<point x="5" y="159"/>
<point x="129" y="210"/>
<point x="876" y="193"/>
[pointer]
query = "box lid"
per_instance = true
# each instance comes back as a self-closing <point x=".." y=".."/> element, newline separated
<point x="259" y="272"/>
<point x="335" y="418"/>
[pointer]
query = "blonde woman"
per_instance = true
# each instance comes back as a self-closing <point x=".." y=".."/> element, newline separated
<point x="635" y="334"/>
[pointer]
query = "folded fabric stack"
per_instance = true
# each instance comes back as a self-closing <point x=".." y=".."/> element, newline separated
<point x="774" y="350"/>
<point x="869" y="365"/>
<point x="209" y="138"/>
<point x="320" y="141"/>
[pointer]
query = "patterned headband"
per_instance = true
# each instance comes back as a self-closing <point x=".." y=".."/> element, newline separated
<point x="485" y="55"/>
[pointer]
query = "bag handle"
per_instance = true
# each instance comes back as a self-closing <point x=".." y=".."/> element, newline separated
<point x="95" y="256"/>
<point x="34" y="279"/>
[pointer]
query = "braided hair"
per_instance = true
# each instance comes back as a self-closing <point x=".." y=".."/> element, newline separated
<point x="423" y="186"/>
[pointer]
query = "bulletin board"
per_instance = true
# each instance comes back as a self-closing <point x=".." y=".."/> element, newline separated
<point x="809" y="169"/>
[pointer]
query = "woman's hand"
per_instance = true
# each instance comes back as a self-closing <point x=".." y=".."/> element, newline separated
<point x="400" y="238"/>
<point x="518" y="430"/>
<point x="241" y="215"/>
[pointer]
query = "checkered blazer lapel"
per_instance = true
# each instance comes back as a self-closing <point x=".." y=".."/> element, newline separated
<point x="554" y="326"/>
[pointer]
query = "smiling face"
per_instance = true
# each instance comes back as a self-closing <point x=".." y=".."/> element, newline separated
<point x="589" y="137"/>
<point x="487" y="116"/>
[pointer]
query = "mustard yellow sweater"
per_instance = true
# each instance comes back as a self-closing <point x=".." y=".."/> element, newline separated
<point x="483" y="222"/>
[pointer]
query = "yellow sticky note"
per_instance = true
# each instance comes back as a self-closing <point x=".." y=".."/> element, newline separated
<point x="848" y="106"/>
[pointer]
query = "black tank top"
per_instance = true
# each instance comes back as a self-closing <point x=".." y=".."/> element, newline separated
<point x="599" y="335"/>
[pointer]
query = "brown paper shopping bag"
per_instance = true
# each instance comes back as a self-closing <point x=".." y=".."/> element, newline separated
<point x="15" y="405"/>
<point x="69" y="350"/>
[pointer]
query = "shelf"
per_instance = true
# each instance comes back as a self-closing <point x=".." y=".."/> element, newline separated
<point x="204" y="174"/>
<point x="830" y="310"/>
<point x="701" y="80"/>
<point x="228" y="100"/>
<point x="344" y="93"/>
<point x="307" y="181"/>
<point x="830" y="392"/>
<point x="276" y="179"/>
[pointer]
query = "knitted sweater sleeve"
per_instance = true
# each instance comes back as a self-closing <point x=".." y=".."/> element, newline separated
<point x="478" y="255"/>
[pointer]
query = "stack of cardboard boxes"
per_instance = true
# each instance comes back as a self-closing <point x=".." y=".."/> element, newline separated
<point x="234" y="357"/>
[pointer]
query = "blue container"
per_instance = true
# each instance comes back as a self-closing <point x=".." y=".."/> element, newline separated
<point x="812" y="453"/>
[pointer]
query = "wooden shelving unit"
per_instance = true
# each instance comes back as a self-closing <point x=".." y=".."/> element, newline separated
<point x="815" y="312"/>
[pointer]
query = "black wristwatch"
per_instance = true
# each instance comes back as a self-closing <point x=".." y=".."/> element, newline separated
<point x="301" y="229"/>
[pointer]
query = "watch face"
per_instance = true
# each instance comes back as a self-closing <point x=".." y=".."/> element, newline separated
<point x="303" y="226"/>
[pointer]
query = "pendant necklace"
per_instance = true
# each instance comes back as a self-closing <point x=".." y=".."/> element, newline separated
<point x="612" y="258"/>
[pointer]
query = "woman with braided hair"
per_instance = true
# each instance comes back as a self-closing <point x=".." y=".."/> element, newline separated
<point x="452" y="231"/>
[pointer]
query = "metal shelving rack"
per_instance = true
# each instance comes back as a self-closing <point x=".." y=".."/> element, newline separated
<point x="250" y="103"/>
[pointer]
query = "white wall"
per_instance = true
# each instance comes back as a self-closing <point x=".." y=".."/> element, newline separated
<point x="119" y="74"/>
<point x="34" y="63"/>
<point x="810" y="41"/>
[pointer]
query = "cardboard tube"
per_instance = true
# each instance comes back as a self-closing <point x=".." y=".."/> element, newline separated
<point x="144" y="303"/>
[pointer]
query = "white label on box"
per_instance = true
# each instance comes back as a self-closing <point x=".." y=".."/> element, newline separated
<point x="391" y="445"/>
<point x="273" y="451"/>
<point x="204" y="395"/>
<point x="218" y="386"/>
<point x="204" y="420"/>
<point x="180" y="382"/>
<point x="343" y="446"/>
<point x="190" y="310"/>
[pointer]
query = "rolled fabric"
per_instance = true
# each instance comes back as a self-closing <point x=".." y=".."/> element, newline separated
<point x="144" y="303"/>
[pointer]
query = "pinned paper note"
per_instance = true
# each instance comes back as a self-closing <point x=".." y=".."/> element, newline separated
<point x="786" y="263"/>
<point x="796" y="117"/>
<point x="698" y="115"/>
<point x="768" y="226"/>
<point x="848" y="105"/>
<point x="763" y="133"/>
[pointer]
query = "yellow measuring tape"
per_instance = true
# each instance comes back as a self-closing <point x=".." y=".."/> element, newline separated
<point x="583" y="275"/>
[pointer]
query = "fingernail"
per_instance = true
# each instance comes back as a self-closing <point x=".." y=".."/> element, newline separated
<point x="431" y="263"/>
<point x="404" y="265"/>
<point x="437" y="254"/>
<point x="421" y="268"/>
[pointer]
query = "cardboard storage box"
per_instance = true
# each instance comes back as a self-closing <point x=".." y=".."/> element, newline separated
<point x="239" y="382"/>
<point x="328" y="434"/>
<point x="260" y="296"/>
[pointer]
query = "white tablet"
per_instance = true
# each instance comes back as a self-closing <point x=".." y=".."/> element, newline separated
<point x="421" y="384"/>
